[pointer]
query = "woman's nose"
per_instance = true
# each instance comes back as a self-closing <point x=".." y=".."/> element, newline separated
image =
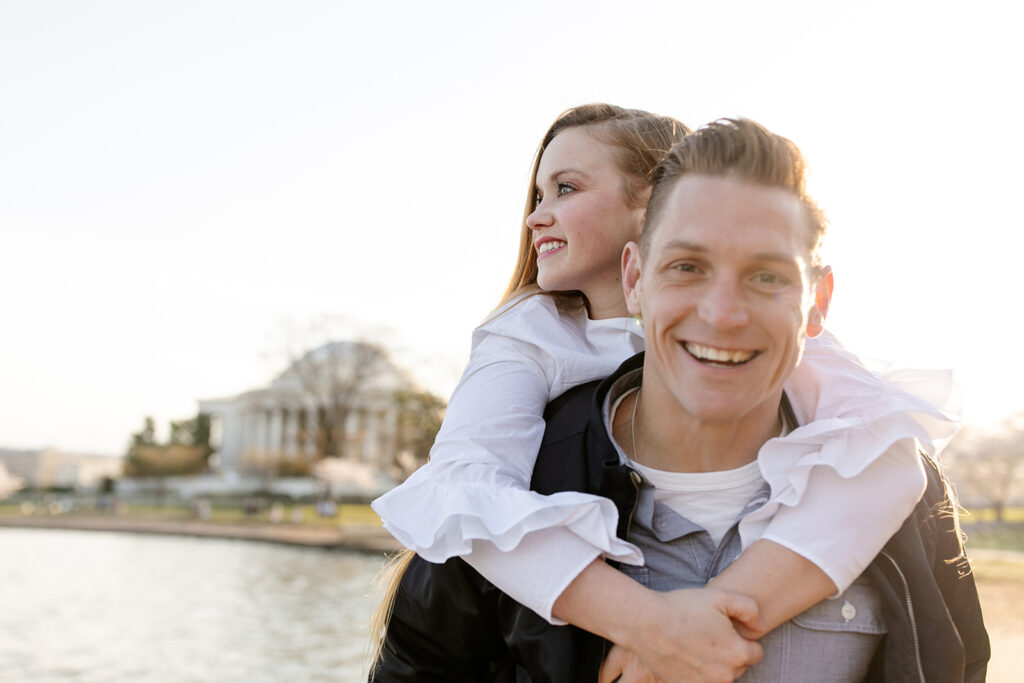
<point x="540" y="217"/>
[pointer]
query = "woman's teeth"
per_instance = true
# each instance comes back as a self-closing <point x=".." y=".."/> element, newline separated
<point x="550" y="246"/>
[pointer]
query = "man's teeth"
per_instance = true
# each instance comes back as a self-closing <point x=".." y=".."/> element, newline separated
<point x="549" y="246"/>
<point x="718" y="355"/>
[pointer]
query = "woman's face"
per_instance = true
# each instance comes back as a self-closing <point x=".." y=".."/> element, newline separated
<point x="582" y="221"/>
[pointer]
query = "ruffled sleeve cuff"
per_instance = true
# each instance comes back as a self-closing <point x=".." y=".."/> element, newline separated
<point x="441" y="519"/>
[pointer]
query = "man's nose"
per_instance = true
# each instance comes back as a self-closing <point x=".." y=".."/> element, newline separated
<point x="723" y="306"/>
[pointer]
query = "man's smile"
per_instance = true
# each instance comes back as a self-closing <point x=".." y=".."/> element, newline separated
<point x="710" y="355"/>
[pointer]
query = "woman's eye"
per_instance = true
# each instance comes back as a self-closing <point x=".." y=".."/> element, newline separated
<point x="563" y="189"/>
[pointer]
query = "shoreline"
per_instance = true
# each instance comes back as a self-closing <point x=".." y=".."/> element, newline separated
<point x="364" y="538"/>
<point x="368" y="538"/>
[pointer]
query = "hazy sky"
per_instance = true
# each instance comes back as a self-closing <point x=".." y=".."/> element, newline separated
<point x="182" y="183"/>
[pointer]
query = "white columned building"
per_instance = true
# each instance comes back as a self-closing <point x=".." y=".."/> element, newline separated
<point x="290" y="420"/>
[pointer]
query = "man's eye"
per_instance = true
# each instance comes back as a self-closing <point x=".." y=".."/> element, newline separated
<point x="685" y="267"/>
<point x="769" y="279"/>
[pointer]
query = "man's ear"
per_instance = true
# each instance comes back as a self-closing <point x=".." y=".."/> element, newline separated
<point x="631" y="277"/>
<point x="822" y="299"/>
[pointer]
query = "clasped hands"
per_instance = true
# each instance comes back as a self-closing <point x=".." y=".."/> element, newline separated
<point x="696" y="634"/>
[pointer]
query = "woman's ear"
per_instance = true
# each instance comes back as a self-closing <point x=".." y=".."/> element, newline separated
<point x="631" y="277"/>
<point x="822" y="299"/>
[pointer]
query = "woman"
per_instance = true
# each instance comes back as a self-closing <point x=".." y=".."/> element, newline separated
<point x="587" y="199"/>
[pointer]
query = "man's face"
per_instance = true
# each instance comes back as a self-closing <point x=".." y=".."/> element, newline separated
<point x="725" y="297"/>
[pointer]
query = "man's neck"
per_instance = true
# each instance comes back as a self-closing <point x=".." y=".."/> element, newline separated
<point x="660" y="434"/>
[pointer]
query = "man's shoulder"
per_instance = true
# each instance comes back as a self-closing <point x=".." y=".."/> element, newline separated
<point x="562" y="462"/>
<point x="576" y="453"/>
<point x="569" y="413"/>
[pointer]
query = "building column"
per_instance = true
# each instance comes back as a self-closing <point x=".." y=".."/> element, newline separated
<point x="232" y="438"/>
<point x="312" y="430"/>
<point x="371" y="435"/>
<point x="353" y="424"/>
<point x="291" y="434"/>
<point x="259" y="449"/>
<point x="388" y="437"/>
<point x="275" y="418"/>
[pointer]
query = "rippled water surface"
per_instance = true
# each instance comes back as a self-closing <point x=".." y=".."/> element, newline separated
<point x="96" y="606"/>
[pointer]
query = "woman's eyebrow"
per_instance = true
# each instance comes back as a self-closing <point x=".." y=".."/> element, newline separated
<point x="568" y="171"/>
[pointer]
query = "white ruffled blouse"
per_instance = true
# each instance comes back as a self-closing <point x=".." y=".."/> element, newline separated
<point x="842" y="483"/>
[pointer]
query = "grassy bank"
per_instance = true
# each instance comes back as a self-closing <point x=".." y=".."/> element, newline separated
<point x="983" y="531"/>
<point x="301" y="513"/>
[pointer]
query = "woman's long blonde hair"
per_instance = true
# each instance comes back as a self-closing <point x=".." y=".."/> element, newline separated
<point x="385" y="591"/>
<point x="641" y="140"/>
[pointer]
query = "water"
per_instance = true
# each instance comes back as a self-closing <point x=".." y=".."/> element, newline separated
<point x="96" y="606"/>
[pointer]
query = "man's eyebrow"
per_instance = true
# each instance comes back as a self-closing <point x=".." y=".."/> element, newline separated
<point x="775" y="256"/>
<point x="683" y="244"/>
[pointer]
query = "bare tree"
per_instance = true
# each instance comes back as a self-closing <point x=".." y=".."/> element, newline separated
<point x="989" y="466"/>
<point x="334" y="380"/>
<point x="340" y="399"/>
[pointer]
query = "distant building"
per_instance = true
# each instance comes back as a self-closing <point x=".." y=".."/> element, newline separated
<point x="337" y="400"/>
<point x="52" y="468"/>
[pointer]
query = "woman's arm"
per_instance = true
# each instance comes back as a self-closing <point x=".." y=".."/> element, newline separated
<point x="782" y="584"/>
<point x="706" y="634"/>
<point x="473" y="499"/>
<point x="488" y="442"/>
<point x="683" y="635"/>
<point x="818" y="547"/>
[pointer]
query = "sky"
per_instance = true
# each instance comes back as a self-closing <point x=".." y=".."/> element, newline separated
<point x="187" y="187"/>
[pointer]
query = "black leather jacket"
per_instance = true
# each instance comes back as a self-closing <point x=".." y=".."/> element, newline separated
<point x="451" y="624"/>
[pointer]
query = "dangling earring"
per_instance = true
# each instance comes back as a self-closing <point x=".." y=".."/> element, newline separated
<point x="639" y="319"/>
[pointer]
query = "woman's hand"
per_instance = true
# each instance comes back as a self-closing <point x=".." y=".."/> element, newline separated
<point x="622" y="666"/>
<point x="689" y="636"/>
<point x="682" y="635"/>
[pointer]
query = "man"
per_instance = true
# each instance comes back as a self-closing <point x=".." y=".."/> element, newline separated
<point x="727" y="282"/>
